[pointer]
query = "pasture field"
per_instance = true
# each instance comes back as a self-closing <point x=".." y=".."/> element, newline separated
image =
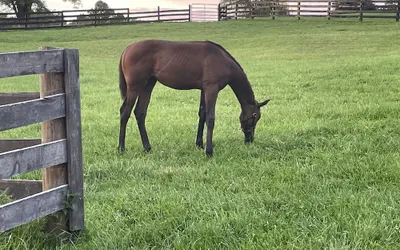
<point x="323" y="172"/>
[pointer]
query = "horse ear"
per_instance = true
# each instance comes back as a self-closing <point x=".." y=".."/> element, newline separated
<point x="263" y="103"/>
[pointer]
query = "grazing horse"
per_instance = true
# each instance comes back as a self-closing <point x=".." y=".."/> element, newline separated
<point x="202" y="65"/>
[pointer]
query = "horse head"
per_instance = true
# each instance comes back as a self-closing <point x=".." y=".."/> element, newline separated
<point x="249" y="119"/>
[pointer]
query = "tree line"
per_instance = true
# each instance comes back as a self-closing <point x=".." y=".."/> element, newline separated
<point x="37" y="11"/>
<point x="22" y="8"/>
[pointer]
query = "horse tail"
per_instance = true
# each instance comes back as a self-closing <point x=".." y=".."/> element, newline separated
<point x="122" y="80"/>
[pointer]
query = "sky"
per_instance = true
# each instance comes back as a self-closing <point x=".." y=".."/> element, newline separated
<point x="132" y="4"/>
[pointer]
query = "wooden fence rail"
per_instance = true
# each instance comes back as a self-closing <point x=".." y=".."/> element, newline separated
<point x="74" y="18"/>
<point x="313" y="8"/>
<point x="58" y="153"/>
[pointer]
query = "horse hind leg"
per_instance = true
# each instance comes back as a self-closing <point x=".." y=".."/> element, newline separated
<point x="141" y="112"/>
<point x="125" y="112"/>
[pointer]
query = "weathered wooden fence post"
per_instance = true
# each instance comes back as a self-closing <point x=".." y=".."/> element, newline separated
<point x="398" y="11"/>
<point x="361" y="11"/>
<point x="298" y="10"/>
<point x="236" y="11"/>
<point x="329" y="11"/>
<point x="219" y="12"/>
<point x="74" y="138"/>
<point x="190" y="13"/>
<point x="95" y="18"/>
<point x="127" y="15"/>
<point x="273" y="10"/>
<point x="158" y="13"/>
<point x="51" y="84"/>
<point x="26" y="20"/>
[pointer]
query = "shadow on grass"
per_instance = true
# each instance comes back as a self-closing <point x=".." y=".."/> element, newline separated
<point x="266" y="146"/>
<point x="280" y="146"/>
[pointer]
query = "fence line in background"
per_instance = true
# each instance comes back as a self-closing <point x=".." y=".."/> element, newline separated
<point x="199" y="12"/>
<point x="76" y="18"/>
<point x="312" y="8"/>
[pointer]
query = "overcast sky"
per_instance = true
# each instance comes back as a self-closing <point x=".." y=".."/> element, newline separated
<point x="87" y="4"/>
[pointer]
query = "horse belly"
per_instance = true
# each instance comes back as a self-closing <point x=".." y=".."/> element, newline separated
<point x="180" y="81"/>
<point x="181" y="85"/>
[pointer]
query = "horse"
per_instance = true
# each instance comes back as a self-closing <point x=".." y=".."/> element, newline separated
<point x="184" y="65"/>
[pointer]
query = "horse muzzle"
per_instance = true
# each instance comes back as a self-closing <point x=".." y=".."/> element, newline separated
<point x="249" y="136"/>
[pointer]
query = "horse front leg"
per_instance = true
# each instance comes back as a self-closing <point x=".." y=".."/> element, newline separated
<point x="141" y="112"/>
<point x="202" y="120"/>
<point x="210" y="100"/>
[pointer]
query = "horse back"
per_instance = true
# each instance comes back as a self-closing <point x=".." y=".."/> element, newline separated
<point x="180" y="65"/>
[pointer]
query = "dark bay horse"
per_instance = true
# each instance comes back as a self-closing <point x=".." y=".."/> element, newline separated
<point x="202" y="65"/>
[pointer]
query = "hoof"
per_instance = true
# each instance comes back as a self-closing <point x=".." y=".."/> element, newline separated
<point x="121" y="150"/>
<point x="209" y="153"/>
<point x="147" y="148"/>
<point x="199" y="145"/>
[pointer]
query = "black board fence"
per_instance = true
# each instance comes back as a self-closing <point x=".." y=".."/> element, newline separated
<point x="359" y="9"/>
<point x="91" y="17"/>
<point x="59" y="150"/>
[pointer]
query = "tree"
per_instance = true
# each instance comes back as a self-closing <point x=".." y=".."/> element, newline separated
<point x="100" y="5"/>
<point x="390" y="5"/>
<point x="102" y="10"/>
<point x="24" y="7"/>
<point x="256" y="7"/>
<point x="354" y="5"/>
<point x="104" y="13"/>
<point x="100" y="14"/>
<point x="76" y="3"/>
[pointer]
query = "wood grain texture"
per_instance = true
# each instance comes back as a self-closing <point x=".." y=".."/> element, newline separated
<point x="7" y="98"/>
<point x="56" y="175"/>
<point x="29" y="112"/>
<point x="24" y="160"/>
<point x="74" y="137"/>
<point x="13" y="144"/>
<point x="32" y="62"/>
<point x="32" y="207"/>
<point x="19" y="189"/>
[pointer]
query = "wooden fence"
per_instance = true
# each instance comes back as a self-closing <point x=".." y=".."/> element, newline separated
<point x="74" y="18"/>
<point x="311" y="8"/>
<point x="202" y="12"/>
<point x="59" y="151"/>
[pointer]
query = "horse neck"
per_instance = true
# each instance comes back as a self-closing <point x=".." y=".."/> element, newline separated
<point x="243" y="91"/>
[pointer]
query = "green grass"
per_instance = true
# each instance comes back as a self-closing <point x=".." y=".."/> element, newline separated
<point x="323" y="172"/>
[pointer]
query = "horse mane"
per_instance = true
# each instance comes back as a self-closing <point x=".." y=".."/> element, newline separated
<point x="230" y="56"/>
